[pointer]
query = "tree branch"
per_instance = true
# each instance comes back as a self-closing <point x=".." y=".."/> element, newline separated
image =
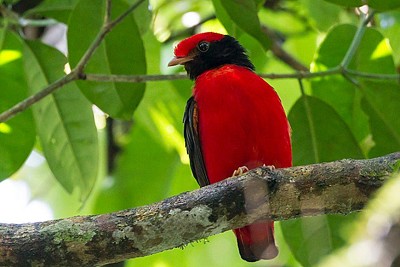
<point x="338" y="187"/>
<point x="26" y="103"/>
<point x="272" y="76"/>
<point x="78" y="72"/>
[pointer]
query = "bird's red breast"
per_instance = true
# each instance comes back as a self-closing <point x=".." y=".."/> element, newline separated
<point x="241" y="122"/>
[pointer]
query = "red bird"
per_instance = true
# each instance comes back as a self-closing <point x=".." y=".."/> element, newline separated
<point x="234" y="119"/>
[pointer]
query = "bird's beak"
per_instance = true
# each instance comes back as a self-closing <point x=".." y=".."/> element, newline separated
<point x="179" y="61"/>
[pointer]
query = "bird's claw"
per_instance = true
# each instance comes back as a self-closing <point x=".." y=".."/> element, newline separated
<point x="240" y="171"/>
<point x="269" y="167"/>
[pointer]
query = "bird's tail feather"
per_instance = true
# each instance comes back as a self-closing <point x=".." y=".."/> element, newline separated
<point x="256" y="241"/>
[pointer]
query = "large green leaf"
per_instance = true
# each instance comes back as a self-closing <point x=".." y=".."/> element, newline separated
<point x="347" y="3"/>
<point x="373" y="56"/>
<point x="319" y="134"/>
<point x="245" y="15"/>
<point x="121" y="52"/>
<point x="147" y="172"/>
<point x="389" y="23"/>
<point x="150" y="166"/>
<point x="380" y="5"/>
<point x="381" y="103"/>
<point x="321" y="14"/>
<point x="142" y="15"/>
<point x="17" y="135"/>
<point x="64" y="121"/>
<point x="383" y="5"/>
<point x="225" y="19"/>
<point x="56" y="9"/>
<point x="312" y="238"/>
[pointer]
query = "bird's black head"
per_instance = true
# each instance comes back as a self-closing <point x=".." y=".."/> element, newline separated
<point x="205" y="51"/>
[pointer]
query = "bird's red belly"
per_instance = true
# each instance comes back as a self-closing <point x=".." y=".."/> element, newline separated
<point x="241" y="126"/>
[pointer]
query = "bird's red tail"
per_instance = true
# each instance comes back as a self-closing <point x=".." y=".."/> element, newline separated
<point x="256" y="241"/>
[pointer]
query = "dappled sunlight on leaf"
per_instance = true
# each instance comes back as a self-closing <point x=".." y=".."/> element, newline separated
<point x="170" y="136"/>
<point x="381" y="50"/>
<point x="17" y="136"/>
<point x="7" y="56"/>
<point x="5" y="128"/>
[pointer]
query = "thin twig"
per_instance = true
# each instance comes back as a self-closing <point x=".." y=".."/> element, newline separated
<point x="37" y="22"/>
<point x="133" y="78"/>
<point x="107" y="18"/>
<point x="152" y="78"/>
<point x="124" y="15"/>
<point x="272" y="76"/>
<point x="365" y="19"/>
<point x="182" y="76"/>
<point x="26" y="103"/>
<point x="374" y="76"/>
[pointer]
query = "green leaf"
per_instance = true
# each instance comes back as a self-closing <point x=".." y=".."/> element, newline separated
<point x="347" y="3"/>
<point x="372" y="56"/>
<point x="17" y="135"/>
<point x="319" y="134"/>
<point x="64" y="121"/>
<point x="245" y="15"/>
<point x="121" y="52"/>
<point x="9" y="2"/>
<point x="383" y="5"/>
<point x="379" y="5"/>
<point x="142" y="15"/>
<point x="156" y="136"/>
<point x="56" y="9"/>
<point x="381" y="103"/>
<point x="389" y="23"/>
<point x="312" y="238"/>
<point x="225" y="19"/>
<point x="322" y="14"/>
<point x="136" y="180"/>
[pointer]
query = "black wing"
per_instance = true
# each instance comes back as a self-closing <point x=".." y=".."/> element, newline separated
<point x="192" y="141"/>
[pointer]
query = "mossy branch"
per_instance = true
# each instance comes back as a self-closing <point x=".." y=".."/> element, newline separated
<point x="338" y="187"/>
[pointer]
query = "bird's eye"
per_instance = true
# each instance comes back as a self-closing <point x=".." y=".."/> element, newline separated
<point x="203" y="46"/>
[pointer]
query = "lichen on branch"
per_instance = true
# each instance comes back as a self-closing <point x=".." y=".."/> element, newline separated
<point x="337" y="187"/>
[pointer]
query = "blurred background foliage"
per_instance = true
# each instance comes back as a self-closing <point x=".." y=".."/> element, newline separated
<point x="96" y="147"/>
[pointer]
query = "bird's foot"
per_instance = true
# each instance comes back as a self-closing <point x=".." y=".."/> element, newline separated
<point x="240" y="171"/>
<point x="269" y="167"/>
